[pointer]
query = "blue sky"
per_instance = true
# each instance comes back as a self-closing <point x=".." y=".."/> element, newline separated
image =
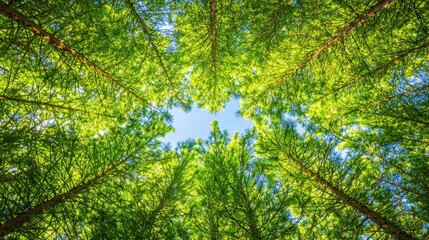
<point x="196" y="124"/>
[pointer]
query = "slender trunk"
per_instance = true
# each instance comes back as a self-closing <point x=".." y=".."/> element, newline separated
<point x="39" y="103"/>
<point x="42" y="207"/>
<point x="213" y="32"/>
<point x="251" y="218"/>
<point x="150" y="37"/>
<point x="374" y="216"/>
<point x="344" y="32"/>
<point x="249" y="211"/>
<point x="384" y="66"/>
<point x="16" y="16"/>
<point x="163" y="201"/>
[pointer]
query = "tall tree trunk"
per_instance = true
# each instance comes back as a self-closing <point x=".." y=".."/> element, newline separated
<point x="382" y="67"/>
<point x="16" y="16"/>
<point x="213" y="32"/>
<point x="42" y="207"/>
<point x="344" y="32"/>
<point x="374" y="216"/>
<point x="150" y="37"/>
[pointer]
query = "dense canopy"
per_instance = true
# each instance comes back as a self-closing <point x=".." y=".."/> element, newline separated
<point x="338" y="92"/>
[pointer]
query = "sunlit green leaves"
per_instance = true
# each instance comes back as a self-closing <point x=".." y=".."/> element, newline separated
<point x="337" y="91"/>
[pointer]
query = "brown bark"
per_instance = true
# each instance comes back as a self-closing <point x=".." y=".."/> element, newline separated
<point x="39" y="103"/>
<point x="42" y="207"/>
<point x="344" y="32"/>
<point x="213" y="32"/>
<point x="388" y="226"/>
<point x="60" y="45"/>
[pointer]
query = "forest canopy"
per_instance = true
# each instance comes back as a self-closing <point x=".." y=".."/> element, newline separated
<point x="338" y="92"/>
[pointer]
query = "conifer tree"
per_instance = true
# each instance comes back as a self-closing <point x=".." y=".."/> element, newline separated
<point x="86" y="86"/>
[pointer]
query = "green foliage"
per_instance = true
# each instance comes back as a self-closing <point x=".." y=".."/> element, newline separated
<point x="238" y="199"/>
<point x="338" y="92"/>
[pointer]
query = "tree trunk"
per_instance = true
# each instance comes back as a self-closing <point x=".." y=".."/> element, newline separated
<point x="374" y="216"/>
<point x="383" y="66"/>
<point x="163" y="201"/>
<point x="344" y="32"/>
<point x="213" y="32"/>
<point x="16" y="16"/>
<point x="42" y="207"/>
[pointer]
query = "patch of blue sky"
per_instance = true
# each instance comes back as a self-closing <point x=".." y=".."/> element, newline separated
<point x="196" y="123"/>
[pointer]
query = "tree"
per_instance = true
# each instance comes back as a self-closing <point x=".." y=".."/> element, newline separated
<point x="310" y="152"/>
<point x="48" y="166"/>
<point x="40" y="208"/>
<point x="208" y="39"/>
<point x="86" y="86"/>
<point x="238" y="199"/>
<point x="149" y="200"/>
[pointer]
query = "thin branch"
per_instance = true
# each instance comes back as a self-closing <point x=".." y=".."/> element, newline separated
<point x="400" y="187"/>
<point x="411" y="91"/>
<point x="384" y="66"/>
